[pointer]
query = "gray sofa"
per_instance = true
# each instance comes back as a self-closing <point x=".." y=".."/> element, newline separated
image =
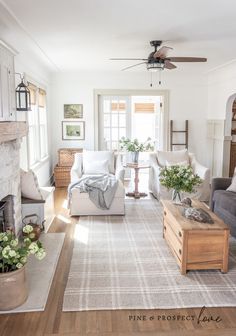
<point x="223" y="202"/>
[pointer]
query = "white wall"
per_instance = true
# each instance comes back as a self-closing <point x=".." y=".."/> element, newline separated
<point x="187" y="100"/>
<point x="221" y="93"/>
<point x="30" y="61"/>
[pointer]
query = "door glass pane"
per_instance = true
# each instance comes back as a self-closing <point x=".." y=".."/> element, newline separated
<point x="115" y="134"/>
<point x="107" y="133"/>
<point x="122" y="120"/>
<point x="122" y="132"/>
<point x="107" y="120"/>
<point x="115" y="120"/>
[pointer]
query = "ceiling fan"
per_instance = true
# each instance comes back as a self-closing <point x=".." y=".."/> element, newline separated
<point x="158" y="60"/>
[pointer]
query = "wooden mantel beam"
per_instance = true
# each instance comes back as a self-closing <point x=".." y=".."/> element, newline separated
<point x="12" y="130"/>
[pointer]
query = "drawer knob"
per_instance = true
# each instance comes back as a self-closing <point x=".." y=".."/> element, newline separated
<point x="180" y="234"/>
<point x="180" y="251"/>
<point x="164" y="213"/>
<point x="164" y="227"/>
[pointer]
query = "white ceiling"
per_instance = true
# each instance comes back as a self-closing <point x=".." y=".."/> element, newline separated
<point x="84" y="34"/>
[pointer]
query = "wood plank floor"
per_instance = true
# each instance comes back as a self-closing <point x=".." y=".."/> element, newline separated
<point x="53" y="322"/>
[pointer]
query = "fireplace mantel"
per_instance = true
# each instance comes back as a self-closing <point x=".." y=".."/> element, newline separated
<point x="12" y="130"/>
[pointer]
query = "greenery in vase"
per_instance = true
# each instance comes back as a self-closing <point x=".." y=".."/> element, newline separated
<point x="135" y="145"/>
<point x="179" y="178"/>
<point x="14" y="252"/>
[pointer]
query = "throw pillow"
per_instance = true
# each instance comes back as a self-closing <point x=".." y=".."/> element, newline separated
<point x="232" y="186"/>
<point x="183" y="163"/>
<point x="97" y="167"/>
<point x="172" y="156"/>
<point x="91" y="156"/>
<point x="29" y="185"/>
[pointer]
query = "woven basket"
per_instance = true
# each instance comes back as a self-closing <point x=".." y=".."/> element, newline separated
<point x="62" y="176"/>
<point x="66" y="156"/>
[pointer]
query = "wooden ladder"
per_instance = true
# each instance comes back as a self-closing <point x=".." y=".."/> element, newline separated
<point x="172" y="131"/>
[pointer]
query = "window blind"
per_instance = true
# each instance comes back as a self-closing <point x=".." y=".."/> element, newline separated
<point x="42" y="98"/>
<point x="144" y="107"/>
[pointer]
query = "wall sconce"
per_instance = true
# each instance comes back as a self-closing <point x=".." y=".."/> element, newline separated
<point x="22" y="96"/>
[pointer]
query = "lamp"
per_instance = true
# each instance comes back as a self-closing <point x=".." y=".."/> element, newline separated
<point x="155" y="66"/>
<point x="22" y="96"/>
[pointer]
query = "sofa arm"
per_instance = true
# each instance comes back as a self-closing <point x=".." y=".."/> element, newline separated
<point x="120" y="170"/>
<point x="76" y="169"/>
<point x="218" y="183"/>
<point x="154" y="183"/>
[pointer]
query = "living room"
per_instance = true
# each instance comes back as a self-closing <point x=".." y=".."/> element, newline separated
<point x="62" y="52"/>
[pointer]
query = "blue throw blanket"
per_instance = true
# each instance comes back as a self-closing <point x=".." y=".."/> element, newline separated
<point x="101" y="189"/>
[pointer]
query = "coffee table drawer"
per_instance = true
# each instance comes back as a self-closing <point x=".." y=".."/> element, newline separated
<point x="173" y="241"/>
<point x="168" y="218"/>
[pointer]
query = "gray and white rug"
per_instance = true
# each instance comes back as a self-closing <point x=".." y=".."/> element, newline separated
<point x="40" y="274"/>
<point x="122" y="262"/>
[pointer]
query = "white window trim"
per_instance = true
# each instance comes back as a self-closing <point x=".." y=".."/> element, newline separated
<point x="39" y="162"/>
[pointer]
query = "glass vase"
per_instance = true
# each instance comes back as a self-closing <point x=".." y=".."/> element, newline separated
<point x="134" y="157"/>
<point x="176" y="196"/>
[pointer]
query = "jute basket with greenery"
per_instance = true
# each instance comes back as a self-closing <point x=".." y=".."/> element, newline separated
<point x="14" y="254"/>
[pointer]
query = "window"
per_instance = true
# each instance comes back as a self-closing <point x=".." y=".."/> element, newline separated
<point x="37" y="119"/>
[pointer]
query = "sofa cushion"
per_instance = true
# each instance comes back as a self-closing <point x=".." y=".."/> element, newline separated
<point x="226" y="200"/>
<point x="174" y="157"/>
<point x="90" y="156"/>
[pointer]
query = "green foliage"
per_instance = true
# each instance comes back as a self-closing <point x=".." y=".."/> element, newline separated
<point x="14" y="252"/>
<point x="180" y="178"/>
<point x="135" y="145"/>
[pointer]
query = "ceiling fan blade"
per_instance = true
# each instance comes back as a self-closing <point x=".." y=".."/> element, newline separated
<point x="128" y="59"/>
<point x="169" y="65"/>
<point x="162" y="52"/>
<point x="132" y="66"/>
<point x="187" y="59"/>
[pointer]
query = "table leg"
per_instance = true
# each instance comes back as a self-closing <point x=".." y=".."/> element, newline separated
<point x="136" y="194"/>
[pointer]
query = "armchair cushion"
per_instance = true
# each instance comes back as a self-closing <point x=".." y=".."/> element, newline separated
<point x="97" y="167"/>
<point x="174" y="157"/>
<point x="90" y="156"/>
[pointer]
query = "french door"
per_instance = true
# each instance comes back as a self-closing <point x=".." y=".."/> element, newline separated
<point x="114" y="121"/>
<point x="130" y="116"/>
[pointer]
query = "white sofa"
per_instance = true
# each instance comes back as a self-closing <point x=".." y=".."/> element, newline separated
<point x="80" y="204"/>
<point x="161" y="158"/>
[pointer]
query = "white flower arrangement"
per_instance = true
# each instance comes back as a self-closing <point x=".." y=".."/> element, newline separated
<point x="14" y="252"/>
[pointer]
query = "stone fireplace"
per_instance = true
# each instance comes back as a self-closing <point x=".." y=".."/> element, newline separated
<point x="10" y="194"/>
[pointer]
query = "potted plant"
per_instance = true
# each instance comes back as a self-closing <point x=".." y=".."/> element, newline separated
<point x="180" y="179"/>
<point x="134" y="146"/>
<point x="14" y="253"/>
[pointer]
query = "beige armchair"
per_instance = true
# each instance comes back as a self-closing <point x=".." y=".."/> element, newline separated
<point x="161" y="159"/>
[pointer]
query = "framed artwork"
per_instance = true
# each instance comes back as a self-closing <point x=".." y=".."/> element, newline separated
<point x="73" y="130"/>
<point x="73" y="111"/>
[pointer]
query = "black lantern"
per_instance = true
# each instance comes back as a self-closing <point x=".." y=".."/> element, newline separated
<point x="22" y="97"/>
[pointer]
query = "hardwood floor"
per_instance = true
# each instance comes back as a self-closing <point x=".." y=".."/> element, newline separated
<point x="53" y="322"/>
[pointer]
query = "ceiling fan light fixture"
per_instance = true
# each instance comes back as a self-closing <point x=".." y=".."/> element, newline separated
<point x="153" y="67"/>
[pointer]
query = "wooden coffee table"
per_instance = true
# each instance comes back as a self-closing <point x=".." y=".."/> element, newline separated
<point x="196" y="246"/>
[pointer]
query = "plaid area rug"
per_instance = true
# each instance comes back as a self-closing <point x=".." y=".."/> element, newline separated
<point x="122" y="262"/>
